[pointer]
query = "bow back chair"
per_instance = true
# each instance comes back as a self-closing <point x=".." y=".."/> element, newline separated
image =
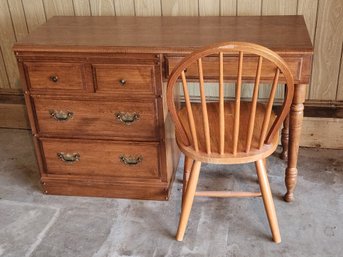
<point x="229" y="131"/>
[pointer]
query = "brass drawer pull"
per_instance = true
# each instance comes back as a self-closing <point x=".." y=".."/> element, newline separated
<point x="61" y="115"/>
<point x="53" y="78"/>
<point x="122" y="82"/>
<point x="69" y="157"/>
<point x="131" y="160"/>
<point x="126" y="117"/>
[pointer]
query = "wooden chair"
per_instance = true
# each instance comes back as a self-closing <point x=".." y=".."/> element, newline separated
<point x="229" y="132"/>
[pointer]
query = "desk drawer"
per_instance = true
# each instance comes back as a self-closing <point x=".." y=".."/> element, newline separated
<point x="101" y="158"/>
<point x="211" y="68"/>
<point x="124" y="79"/>
<point x="73" y="118"/>
<point x="63" y="77"/>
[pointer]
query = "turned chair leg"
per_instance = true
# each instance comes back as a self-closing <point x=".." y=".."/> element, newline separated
<point x="186" y="172"/>
<point x="268" y="200"/>
<point x="188" y="200"/>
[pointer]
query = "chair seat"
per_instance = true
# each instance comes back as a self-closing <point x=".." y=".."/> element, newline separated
<point x="213" y="114"/>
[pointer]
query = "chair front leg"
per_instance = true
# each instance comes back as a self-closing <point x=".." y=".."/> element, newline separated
<point x="268" y="200"/>
<point x="188" y="200"/>
<point x="186" y="172"/>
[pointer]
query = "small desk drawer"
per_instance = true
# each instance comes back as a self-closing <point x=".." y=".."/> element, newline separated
<point x="120" y="119"/>
<point x="63" y="77"/>
<point x="124" y="79"/>
<point x="101" y="158"/>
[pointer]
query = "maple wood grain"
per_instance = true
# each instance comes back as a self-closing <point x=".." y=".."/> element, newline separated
<point x="157" y="34"/>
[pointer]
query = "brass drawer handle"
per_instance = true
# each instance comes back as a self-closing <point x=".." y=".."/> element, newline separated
<point x="122" y="82"/>
<point x="54" y="78"/>
<point x="69" y="157"/>
<point x="131" y="160"/>
<point x="126" y="117"/>
<point x="61" y="115"/>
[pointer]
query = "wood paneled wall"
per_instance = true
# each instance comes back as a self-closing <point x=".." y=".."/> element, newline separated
<point x="324" y="19"/>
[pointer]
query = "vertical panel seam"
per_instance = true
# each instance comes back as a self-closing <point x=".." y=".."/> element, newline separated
<point x="72" y="4"/>
<point x="114" y="8"/>
<point x="161" y="7"/>
<point x="339" y="72"/>
<point x="236" y="7"/>
<point x="90" y="8"/>
<point x="134" y="8"/>
<point x="314" y="45"/>
<point x="42" y="1"/>
<point x="2" y="59"/>
<point x="13" y="28"/>
<point x="261" y="8"/>
<point x="27" y="26"/>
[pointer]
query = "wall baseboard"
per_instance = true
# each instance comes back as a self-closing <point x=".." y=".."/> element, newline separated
<point x="322" y="132"/>
<point x="13" y="116"/>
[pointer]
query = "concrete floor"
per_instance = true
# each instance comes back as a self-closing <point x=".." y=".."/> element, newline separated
<point x="34" y="224"/>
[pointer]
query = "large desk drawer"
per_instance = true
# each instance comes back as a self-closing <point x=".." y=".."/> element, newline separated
<point x="77" y="118"/>
<point x="101" y="158"/>
<point x="211" y="68"/>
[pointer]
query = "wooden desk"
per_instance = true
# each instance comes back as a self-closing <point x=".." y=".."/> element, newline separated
<point x="93" y="52"/>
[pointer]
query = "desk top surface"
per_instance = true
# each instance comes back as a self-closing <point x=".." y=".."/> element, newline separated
<point x="166" y="34"/>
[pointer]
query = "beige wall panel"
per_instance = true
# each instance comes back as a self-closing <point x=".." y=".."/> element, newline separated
<point x="34" y="13"/>
<point x="180" y="7"/>
<point x="82" y="7"/>
<point x="4" y="83"/>
<point x="102" y="7"/>
<point x="340" y="81"/>
<point x="308" y="8"/>
<point x="279" y="7"/>
<point x="228" y="7"/>
<point x="148" y="7"/>
<point x="328" y="46"/>
<point x="249" y="7"/>
<point x="209" y="7"/>
<point x="58" y="7"/>
<point x="18" y="18"/>
<point x="124" y="7"/>
<point x="7" y="39"/>
<point x="264" y="91"/>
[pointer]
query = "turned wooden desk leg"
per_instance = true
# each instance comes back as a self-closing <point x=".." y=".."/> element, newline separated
<point x="285" y="139"/>
<point x="285" y="136"/>
<point x="295" y="123"/>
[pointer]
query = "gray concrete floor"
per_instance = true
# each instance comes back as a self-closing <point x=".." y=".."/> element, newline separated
<point x="34" y="224"/>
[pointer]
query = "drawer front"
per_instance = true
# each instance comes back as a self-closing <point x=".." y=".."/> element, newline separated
<point x="124" y="79"/>
<point x="101" y="158"/>
<point x="121" y="119"/>
<point x="211" y="68"/>
<point x="64" y="77"/>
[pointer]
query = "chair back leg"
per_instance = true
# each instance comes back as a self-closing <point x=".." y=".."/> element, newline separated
<point x="268" y="200"/>
<point x="188" y="200"/>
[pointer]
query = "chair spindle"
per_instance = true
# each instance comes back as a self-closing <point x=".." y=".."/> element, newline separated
<point x="237" y="104"/>
<point x="267" y="114"/>
<point x="189" y="112"/>
<point x="204" y="107"/>
<point x="253" y="105"/>
<point x="221" y="105"/>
